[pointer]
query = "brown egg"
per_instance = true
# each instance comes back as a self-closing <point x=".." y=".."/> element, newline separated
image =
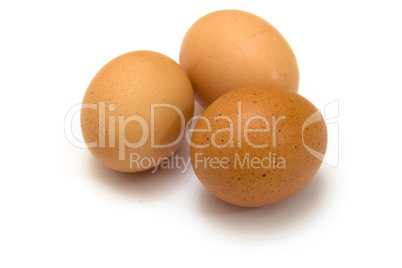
<point x="258" y="145"/>
<point x="229" y="49"/>
<point x="135" y="109"/>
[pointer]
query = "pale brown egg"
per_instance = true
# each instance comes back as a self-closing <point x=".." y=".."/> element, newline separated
<point x="135" y="109"/>
<point x="258" y="145"/>
<point x="229" y="49"/>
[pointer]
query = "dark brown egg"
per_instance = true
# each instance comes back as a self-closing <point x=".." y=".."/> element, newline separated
<point x="258" y="145"/>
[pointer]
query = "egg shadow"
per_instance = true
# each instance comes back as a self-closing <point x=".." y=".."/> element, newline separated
<point x="259" y="225"/>
<point x="143" y="186"/>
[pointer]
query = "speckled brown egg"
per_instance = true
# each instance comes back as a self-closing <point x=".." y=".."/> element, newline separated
<point x="135" y="110"/>
<point x="258" y="145"/>
<point x="229" y="49"/>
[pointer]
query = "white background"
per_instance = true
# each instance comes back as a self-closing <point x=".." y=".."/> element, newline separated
<point x="60" y="208"/>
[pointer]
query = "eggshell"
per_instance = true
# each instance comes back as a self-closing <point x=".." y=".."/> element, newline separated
<point x="258" y="145"/>
<point x="128" y="119"/>
<point x="229" y="49"/>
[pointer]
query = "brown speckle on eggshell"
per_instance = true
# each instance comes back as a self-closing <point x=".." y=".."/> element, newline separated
<point x="295" y="140"/>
